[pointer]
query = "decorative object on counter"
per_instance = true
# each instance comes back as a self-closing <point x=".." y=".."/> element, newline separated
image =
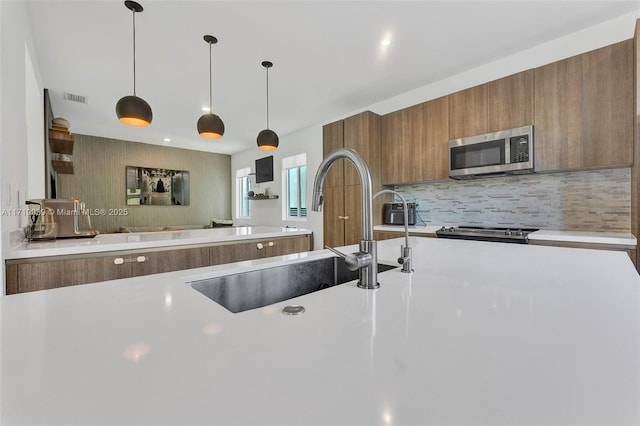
<point x="157" y="187"/>
<point x="210" y="126"/>
<point x="59" y="218"/>
<point x="261" y="197"/>
<point x="267" y="139"/>
<point x="133" y="110"/>
<point x="216" y="223"/>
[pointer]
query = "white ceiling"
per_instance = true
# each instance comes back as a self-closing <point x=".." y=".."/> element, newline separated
<point x="328" y="60"/>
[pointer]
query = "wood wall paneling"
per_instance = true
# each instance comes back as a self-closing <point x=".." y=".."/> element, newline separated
<point x="99" y="180"/>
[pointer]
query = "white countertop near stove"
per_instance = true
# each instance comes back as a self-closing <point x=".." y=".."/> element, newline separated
<point x="588" y="237"/>
<point x="143" y="240"/>
<point x="610" y="238"/>
<point x="481" y="333"/>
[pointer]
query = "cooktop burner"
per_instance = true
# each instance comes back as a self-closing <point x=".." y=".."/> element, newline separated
<point x="482" y="233"/>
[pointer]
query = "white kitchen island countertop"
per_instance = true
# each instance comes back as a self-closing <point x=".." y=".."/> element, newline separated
<point x="481" y="334"/>
<point x="144" y="240"/>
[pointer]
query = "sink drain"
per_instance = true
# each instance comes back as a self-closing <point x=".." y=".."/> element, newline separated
<point x="293" y="310"/>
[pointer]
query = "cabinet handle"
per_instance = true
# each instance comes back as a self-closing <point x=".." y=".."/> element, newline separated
<point x="271" y="244"/>
<point x="343" y="217"/>
<point x="140" y="259"/>
<point x="118" y="261"/>
<point x="260" y="246"/>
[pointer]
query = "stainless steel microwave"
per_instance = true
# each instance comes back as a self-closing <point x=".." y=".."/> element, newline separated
<point x="492" y="154"/>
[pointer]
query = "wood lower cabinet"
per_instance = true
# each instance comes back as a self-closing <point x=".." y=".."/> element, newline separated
<point x="48" y="274"/>
<point x="168" y="260"/>
<point x="258" y="249"/>
<point x="23" y="275"/>
<point x="584" y="110"/>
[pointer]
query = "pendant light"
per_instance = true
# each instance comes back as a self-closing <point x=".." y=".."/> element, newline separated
<point x="210" y="125"/>
<point x="133" y="110"/>
<point x="267" y="139"/>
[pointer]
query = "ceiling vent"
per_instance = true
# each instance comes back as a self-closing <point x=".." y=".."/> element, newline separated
<point x="75" y="98"/>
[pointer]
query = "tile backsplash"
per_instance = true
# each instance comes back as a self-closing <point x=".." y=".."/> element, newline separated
<point x="597" y="200"/>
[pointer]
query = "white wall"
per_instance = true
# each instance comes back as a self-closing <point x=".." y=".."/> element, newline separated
<point x="309" y="140"/>
<point x="15" y="41"/>
<point x="269" y="212"/>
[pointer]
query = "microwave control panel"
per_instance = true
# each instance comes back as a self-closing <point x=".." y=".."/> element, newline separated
<point x="519" y="149"/>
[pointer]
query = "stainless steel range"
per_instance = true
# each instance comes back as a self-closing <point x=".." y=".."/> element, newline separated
<point x="481" y="233"/>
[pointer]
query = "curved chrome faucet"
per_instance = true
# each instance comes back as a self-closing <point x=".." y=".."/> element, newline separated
<point x="367" y="257"/>
<point x="405" y="251"/>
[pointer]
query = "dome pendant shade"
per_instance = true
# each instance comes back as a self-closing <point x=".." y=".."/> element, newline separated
<point x="131" y="109"/>
<point x="210" y="126"/>
<point x="268" y="140"/>
<point x="134" y="111"/>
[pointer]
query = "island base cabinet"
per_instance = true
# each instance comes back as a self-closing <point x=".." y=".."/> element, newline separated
<point x="24" y="275"/>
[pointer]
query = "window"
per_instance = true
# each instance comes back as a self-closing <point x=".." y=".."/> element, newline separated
<point x="243" y="186"/>
<point x="295" y="187"/>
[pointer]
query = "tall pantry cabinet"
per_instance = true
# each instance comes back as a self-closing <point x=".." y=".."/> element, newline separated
<point x="342" y="210"/>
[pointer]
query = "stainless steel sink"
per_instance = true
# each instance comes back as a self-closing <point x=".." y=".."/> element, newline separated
<point x="250" y="290"/>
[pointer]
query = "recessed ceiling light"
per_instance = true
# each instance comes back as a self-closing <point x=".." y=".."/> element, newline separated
<point x="386" y="42"/>
<point x="167" y="139"/>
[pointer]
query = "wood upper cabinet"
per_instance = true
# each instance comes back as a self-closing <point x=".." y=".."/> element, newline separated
<point x="510" y="102"/>
<point x="362" y="133"/>
<point x="498" y="105"/>
<point x="584" y="110"/>
<point x="468" y="112"/>
<point x="414" y="143"/>
<point x="332" y="139"/>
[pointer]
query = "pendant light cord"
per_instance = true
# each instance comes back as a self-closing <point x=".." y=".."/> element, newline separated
<point x="134" y="52"/>
<point x="210" y="83"/>
<point x="267" y="97"/>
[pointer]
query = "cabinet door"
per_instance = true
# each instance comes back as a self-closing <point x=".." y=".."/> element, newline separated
<point x="584" y="110"/>
<point x="414" y="143"/>
<point x="62" y="273"/>
<point x="362" y="133"/>
<point x="435" y="151"/>
<point x="353" y="214"/>
<point x="333" y="214"/>
<point x="236" y="252"/>
<point x="168" y="260"/>
<point x="281" y="246"/>
<point x="510" y="102"/>
<point x="332" y="139"/>
<point x="468" y="112"/>
<point x="403" y="136"/>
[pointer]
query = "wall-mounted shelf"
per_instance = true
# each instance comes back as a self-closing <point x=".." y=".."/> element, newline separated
<point x="61" y="142"/>
<point x="262" y="197"/>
